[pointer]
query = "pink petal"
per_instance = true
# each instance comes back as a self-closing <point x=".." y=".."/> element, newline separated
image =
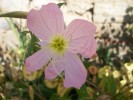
<point x="75" y="72"/>
<point x="90" y="50"/>
<point x="36" y="25"/>
<point x="46" y="21"/>
<point x="37" y="60"/>
<point x="43" y="43"/>
<point x="79" y="32"/>
<point x="54" y="69"/>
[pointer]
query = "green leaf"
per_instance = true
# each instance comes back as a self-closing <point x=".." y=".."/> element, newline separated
<point x="23" y="38"/>
<point x="60" y="4"/>
<point x="86" y="64"/>
<point x="119" y="96"/>
<point x="56" y="97"/>
<point x="44" y="90"/>
<point x="110" y="85"/>
<point x="32" y="46"/>
<point x="20" y="85"/>
<point x="82" y="93"/>
<point x="16" y="14"/>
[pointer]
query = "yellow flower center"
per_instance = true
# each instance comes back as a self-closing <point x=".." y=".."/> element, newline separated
<point x="58" y="44"/>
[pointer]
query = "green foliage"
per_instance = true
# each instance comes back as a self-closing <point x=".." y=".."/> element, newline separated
<point x="86" y="64"/>
<point x="21" y="85"/>
<point x="82" y="93"/>
<point x="120" y="96"/>
<point x="60" y="4"/>
<point x="110" y="85"/>
<point x="32" y="45"/>
<point x="23" y="38"/>
<point x="104" y="55"/>
<point x="56" y="97"/>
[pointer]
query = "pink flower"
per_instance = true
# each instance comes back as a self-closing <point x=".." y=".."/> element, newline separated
<point x="60" y="46"/>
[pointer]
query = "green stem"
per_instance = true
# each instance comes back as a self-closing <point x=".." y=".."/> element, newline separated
<point x="99" y="89"/>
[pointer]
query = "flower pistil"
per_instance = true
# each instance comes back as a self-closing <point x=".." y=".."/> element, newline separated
<point x="58" y="44"/>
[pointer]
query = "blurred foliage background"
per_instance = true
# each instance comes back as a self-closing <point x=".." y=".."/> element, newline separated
<point x="110" y="71"/>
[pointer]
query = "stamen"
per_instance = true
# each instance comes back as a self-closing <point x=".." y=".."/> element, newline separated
<point x="53" y="63"/>
<point x="58" y="44"/>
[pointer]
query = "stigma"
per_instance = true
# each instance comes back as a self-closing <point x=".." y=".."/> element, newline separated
<point x="58" y="44"/>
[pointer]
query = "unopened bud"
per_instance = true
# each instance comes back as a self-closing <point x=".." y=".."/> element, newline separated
<point x="93" y="70"/>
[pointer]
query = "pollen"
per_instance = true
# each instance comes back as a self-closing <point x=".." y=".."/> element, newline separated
<point x="58" y="44"/>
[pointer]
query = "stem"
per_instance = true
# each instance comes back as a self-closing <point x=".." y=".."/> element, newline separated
<point x="99" y="89"/>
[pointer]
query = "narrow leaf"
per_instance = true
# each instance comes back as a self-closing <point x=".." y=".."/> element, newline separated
<point x="16" y="14"/>
<point x="60" y="4"/>
<point x="110" y="85"/>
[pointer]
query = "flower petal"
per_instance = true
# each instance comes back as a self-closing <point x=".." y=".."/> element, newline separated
<point x="79" y="32"/>
<point x="46" y="21"/>
<point x="43" y="43"/>
<point x="37" y="60"/>
<point x="90" y="49"/>
<point x="54" y="69"/>
<point x="75" y="72"/>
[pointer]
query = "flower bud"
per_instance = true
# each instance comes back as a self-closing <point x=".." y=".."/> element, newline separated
<point x="93" y="70"/>
<point x="30" y="76"/>
<point x="51" y="83"/>
<point x="116" y="74"/>
<point x="61" y="90"/>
